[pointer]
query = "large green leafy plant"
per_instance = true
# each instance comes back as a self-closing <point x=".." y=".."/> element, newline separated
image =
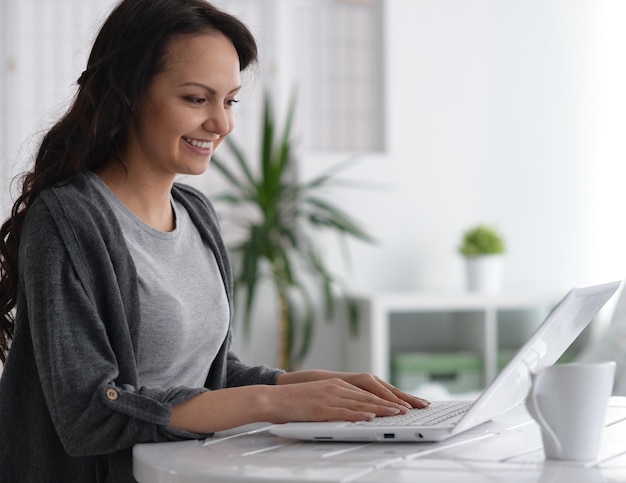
<point x="280" y="216"/>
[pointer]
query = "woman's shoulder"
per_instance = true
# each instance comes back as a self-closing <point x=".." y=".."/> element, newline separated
<point x="82" y="187"/>
<point x="75" y="199"/>
<point x="188" y="192"/>
<point x="193" y="199"/>
<point x="71" y="208"/>
<point x="75" y="220"/>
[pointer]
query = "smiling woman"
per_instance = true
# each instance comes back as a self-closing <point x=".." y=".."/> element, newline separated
<point x="115" y="284"/>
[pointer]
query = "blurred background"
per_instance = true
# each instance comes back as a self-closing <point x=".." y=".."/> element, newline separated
<point x="511" y="113"/>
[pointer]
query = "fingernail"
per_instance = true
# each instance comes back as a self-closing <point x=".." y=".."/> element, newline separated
<point x="392" y="410"/>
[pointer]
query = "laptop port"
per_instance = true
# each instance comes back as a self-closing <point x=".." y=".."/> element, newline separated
<point x="389" y="435"/>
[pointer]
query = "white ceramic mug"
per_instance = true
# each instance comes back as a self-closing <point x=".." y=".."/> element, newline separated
<point x="569" y="402"/>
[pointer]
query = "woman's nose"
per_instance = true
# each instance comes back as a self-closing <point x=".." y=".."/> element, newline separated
<point x="218" y="121"/>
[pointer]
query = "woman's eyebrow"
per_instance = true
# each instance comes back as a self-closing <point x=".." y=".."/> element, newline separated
<point x="206" y="87"/>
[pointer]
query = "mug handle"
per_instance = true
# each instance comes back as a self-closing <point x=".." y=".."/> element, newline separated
<point x="533" y="409"/>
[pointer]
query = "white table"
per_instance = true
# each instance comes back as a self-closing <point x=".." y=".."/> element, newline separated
<point x="369" y="349"/>
<point x="507" y="449"/>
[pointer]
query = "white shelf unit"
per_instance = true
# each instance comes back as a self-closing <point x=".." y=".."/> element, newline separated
<point x="369" y="350"/>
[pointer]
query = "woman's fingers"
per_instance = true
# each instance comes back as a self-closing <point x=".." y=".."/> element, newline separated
<point x="411" y="400"/>
<point x="383" y="397"/>
<point x="386" y="391"/>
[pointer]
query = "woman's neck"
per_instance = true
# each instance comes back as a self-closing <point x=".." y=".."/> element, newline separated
<point x="145" y="194"/>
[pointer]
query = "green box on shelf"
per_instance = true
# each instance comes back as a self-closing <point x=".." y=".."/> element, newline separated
<point x="456" y="371"/>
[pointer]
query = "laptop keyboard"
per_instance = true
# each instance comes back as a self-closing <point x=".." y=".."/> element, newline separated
<point x="434" y="414"/>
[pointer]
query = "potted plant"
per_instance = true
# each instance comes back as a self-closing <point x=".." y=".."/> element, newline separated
<point x="279" y="216"/>
<point x="483" y="248"/>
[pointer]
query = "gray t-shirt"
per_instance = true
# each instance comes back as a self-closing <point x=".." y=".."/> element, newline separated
<point x="183" y="304"/>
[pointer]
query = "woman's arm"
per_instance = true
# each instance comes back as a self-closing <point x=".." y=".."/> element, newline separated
<point x="297" y="396"/>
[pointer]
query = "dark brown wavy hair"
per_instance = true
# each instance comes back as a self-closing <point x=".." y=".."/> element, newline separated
<point x="127" y="53"/>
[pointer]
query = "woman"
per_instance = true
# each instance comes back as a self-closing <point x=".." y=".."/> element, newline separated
<point x="115" y="285"/>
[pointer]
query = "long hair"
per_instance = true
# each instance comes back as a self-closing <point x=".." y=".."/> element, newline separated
<point x="127" y="53"/>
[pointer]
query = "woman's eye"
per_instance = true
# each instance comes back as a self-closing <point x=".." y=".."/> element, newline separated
<point x="195" y="100"/>
<point x="231" y="102"/>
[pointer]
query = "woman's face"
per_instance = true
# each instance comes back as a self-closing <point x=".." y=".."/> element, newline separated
<point x="187" y="110"/>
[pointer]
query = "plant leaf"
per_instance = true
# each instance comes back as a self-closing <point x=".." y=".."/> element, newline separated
<point x="229" y="175"/>
<point x="317" y="266"/>
<point x="249" y="274"/>
<point x="325" y="214"/>
<point x="307" y="327"/>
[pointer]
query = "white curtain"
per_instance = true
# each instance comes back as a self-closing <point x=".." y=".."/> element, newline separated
<point x="44" y="47"/>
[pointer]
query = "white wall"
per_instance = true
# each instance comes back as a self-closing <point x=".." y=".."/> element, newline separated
<point x="489" y="121"/>
<point x="494" y="116"/>
<point x="510" y="113"/>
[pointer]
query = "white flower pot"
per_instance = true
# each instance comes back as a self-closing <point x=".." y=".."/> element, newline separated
<point x="484" y="273"/>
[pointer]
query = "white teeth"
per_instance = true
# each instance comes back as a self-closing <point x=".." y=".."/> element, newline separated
<point x="198" y="144"/>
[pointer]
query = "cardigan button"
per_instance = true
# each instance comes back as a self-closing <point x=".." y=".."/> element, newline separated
<point x="112" y="394"/>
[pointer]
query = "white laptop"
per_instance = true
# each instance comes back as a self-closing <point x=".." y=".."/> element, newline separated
<point x="546" y="345"/>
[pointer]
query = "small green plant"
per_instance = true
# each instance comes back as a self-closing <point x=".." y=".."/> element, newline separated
<point x="482" y="240"/>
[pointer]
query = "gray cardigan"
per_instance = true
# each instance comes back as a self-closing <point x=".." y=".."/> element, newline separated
<point x="71" y="407"/>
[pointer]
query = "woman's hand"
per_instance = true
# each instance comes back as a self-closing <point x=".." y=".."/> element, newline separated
<point x="326" y="400"/>
<point x="325" y="395"/>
